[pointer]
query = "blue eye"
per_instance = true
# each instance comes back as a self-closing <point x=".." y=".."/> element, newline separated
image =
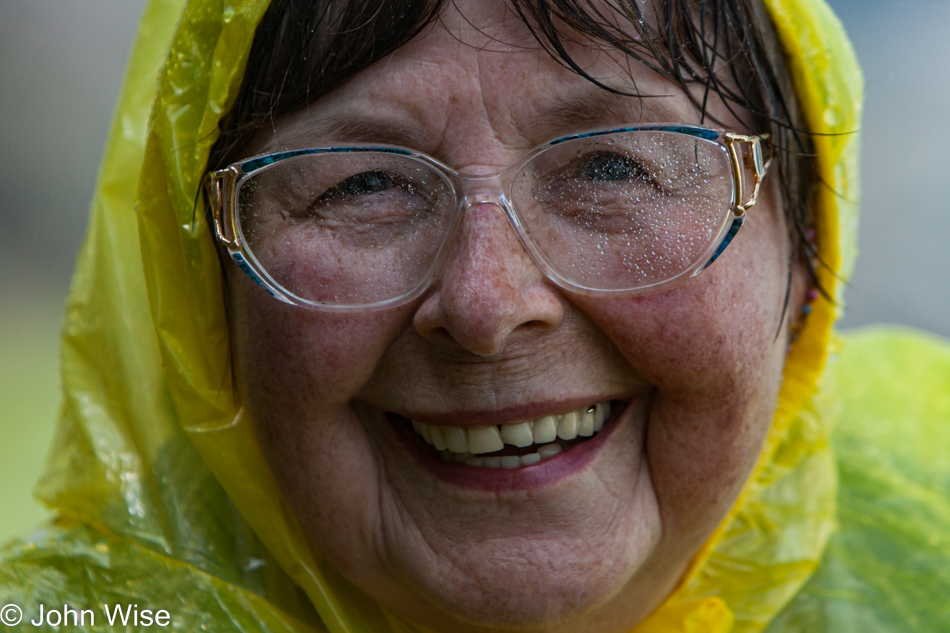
<point x="606" y="166"/>
<point x="364" y="183"/>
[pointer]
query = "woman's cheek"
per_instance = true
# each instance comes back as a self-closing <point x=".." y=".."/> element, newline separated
<point x="699" y="337"/>
<point x="306" y="359"/>
<point x="709" y="350"/>
<point x="297" y="372"/>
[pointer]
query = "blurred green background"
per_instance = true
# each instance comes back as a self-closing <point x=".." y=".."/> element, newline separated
<point x="61" y="63"/>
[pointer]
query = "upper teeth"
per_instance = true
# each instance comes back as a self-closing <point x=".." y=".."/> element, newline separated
<point x="488" y="439"/>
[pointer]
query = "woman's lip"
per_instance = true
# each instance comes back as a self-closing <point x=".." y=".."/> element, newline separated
<point x="507" y="415"/>
<point x="544" y="473"/>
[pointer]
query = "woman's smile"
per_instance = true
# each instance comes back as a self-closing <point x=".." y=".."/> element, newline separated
<point x="481" y="445"/>
<point x="513" y="454"/>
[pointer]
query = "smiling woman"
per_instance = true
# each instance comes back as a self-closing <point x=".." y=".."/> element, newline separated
<point x="622" y="411"/>
<point x="469" y="337"/>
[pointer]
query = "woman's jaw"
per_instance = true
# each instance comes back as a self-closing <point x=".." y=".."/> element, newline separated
<point x="599" y="533"/>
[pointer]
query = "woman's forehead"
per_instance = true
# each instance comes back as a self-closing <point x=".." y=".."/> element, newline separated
<point x="475" y="21"/>
<point x="478" y="71"/>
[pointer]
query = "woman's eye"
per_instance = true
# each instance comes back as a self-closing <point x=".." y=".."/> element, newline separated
<point x="364" y="183"/>
<point x="370" y="196"/>
<point x="605" y="166"/>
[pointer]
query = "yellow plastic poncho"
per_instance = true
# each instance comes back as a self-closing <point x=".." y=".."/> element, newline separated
<point x="164" y="500"/>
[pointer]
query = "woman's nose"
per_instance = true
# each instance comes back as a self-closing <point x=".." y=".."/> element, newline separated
<point x="489" y="289"/>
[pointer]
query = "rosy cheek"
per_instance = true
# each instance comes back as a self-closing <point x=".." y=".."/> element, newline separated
<point x="707" y="348"/>
<point x="304" y="359"/>
<point x="692" y="337"/>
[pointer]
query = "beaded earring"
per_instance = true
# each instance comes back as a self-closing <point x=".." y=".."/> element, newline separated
<point x="811" y="295"/>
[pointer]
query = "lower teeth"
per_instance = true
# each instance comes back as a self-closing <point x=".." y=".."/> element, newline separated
<point x="508" y="461"/>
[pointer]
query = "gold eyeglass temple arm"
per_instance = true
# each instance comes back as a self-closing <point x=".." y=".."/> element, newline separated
<point x="220" y="187"/>
<point x="752" y="160"/>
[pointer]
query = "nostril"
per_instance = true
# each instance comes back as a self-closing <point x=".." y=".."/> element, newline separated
<point x="440" y="335"/>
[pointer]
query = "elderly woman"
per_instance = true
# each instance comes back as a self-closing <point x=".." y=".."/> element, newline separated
<point x="437" y="316"/>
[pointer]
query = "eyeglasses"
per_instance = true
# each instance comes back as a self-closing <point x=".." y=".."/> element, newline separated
<point x="356" y="227"/>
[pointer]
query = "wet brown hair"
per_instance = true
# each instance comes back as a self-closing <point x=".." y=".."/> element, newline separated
<point x="304" y="49"/>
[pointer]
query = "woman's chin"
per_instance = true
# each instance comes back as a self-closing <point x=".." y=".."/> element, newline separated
<point x="523" y="601"/>
<point x="541" y="586"/>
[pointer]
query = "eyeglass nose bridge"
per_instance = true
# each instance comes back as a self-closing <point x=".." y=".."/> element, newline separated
<point x="473" y="190"/>
<point x="477" y="190"/>
<point x="489" y="190"/>
<point x="483" y="195"/>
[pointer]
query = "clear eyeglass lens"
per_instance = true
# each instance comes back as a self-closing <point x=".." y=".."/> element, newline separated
<point x="351" y="228"/>
<point x="622" y="211"/>
<point x="626" y="211"/>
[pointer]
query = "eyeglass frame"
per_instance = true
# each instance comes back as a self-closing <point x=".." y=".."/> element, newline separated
<point x="222" y="186"/>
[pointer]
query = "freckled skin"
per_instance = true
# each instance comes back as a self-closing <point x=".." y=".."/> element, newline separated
<point x="595" y="551"/>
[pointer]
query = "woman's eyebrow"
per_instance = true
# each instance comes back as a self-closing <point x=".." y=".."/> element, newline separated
<point x="587" y="108"/>
<point x="345" y="128"/>
<point x="596" y="106"/>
